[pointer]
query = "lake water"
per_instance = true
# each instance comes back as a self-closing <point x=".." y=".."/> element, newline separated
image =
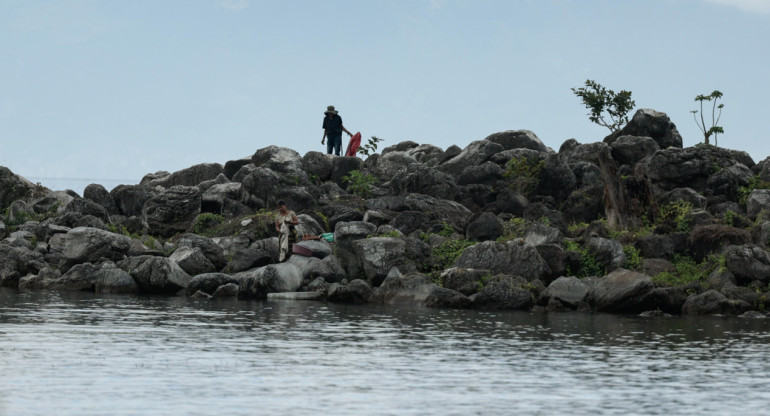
<point x="81" y="354"/>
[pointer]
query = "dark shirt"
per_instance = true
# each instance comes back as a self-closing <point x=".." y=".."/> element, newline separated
<point x="333" y="125"/>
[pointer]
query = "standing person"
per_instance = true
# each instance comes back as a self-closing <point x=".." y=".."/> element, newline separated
<point x="333" y="129"/>
<point x="285" y="222"/>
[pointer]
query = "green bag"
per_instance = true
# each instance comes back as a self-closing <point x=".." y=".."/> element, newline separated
<point x="328" y="237"/>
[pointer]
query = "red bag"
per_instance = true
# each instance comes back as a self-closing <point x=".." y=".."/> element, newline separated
<point x="355" y="143"/>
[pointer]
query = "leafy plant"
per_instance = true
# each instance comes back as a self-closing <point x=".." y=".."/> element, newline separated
<point x="589" y="265"/>
<point x="754" y="183"/>
<point x="715" y="129"/>
<point x="514" y="228"/>
<point x="525" y="174"/>
<point x="447" y="252"/>
<point x="370" y="148"/>
<point x="678" y="211"/>
<point x="686" y="271"/>
<point x="633" y="258"/>
<point x="446" y="230"/>
<point x="359" y="183"/>
<point x="207" y="223"/>
<point x="600" y="100"/>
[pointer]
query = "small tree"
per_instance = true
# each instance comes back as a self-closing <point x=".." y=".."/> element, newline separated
<point x="715" y="116"/>
<point x="601" y="100"/>
<point x="371" y="147"/>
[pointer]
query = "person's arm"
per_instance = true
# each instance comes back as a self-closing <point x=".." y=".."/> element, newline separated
<point x="294" y="219"/>
<point x="346" y="131"/>
<point x="324" y="137"/>
<point x="277" y="226"/>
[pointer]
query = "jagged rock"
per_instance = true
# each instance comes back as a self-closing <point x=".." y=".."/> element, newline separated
<point x="689" y="167"/>
<point x="219" y="180"/>
<point x="514" y="258"/>
<point x="231" y="244"/>
<point x="320" y="249"/>
<point x="668" y="299"/>
<point x="650" y="123"/>
<point x="318" y="165"/>
<point x="342" y="166"/>
<point x="385" y="167"/>
<point x="172" y="211"/>
<point x="728" y="181"/>
<point x="426" y="153"/>
<point x="131" y="198"/>
<point x="586" y="153"/>
<point x="748" y="262"/>
<point x="380" y="254"/>
<point x="555" y="258"/>
<point x="113" y="280"/>
<point x="441" y="297"/>
<point x="569" y="291"/>
<point x="511" y="202"/>
<point x="191" y="176"/>
<point x="465" y="281"/>
<point x="200" y="295"/>
<point x="480" y="197"/>
<point x="485" y="227"/>
<point x="622" y="291"/>
<point x="263" y="188"/>
<point x="243" y="172"/>
<point x="685" y="195"/>
<point x="587" y="175"/>
<point x="226" y="291"/>
<point x="3" y="230"/>
<point x="474" y="154"/>
<point x="146" y="179"/>
<point x="91" y="245"/>
<point x="504" y="292"/>
<point x="518" y="139"/>
<point x="257" y="283"/>
<point x="81" y="277"/>
<point x="233" y="166"/>
<point x="312" y="267"/>
<point x="222" y="199"/>
<point x="98" y="194"/>
<point x="706" y="303"/>
<point x="192" y="261"/>
<point x="539" y="212"/>
<point x="280" y="160"/>
<point x="209" y="283"/>
<point x="608" y="252"/>
<point x="538" y="234"/>
<point x="628" y="150"/>
<point x="400" y="147"/>
<point x="210" y="249"/>
<point x="740" y="293"/>
<point x="418" y="178"/>
<point x="757" y="201"/>
<point x="707" y="239"/>
<point x="12" y="187"/>
<point x="556" y="179"/>
<point x="16" y="262"/>
<point x="450" y="211"/>
<point x="249" y="258"/>
<point x="655" y="246"/>
<point x="487" y="173"/>
<point x="42" y="280"/>
<point x="357" y="292"/>
<point x="158" y="275"/>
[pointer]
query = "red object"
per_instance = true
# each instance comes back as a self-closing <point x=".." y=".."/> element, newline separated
<point x="302" y="251"/>
<point x="355" y="143"/>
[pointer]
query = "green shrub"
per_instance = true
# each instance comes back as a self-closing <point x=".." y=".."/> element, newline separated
<point x="207" y="223"/>
<point x="447" y="252"/>
<point x="359" y="183"/>
<point x="633" y="258"/>
<point x="514" y="228"/>
<point x="525" y="174"/>
<point x="754" y="183"/>
<point x="589" y="264"/>
<point x="677" y="211"/>
<point x="687" y="271"/>
<point x="600" y="100"/>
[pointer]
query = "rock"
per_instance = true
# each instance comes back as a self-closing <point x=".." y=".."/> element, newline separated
<point x="609" y="252"/>
<point x="312" y="267"/>
<point x="441" y="297"/>
<point x="426" y="153"/>
<point x="12" y="187"/>
<point x="748" y="262"/>
<point x="152" y="176"/>
<point x="85" y="207"/>
<point x="42" y="280"/>
<point x="487" y="173"/>
<point x="706" y="303"/>
<point x="263" y="188"/>
<point x="320" y="249"/>
<point x="570" y="291"/>
<point x="243" y="172"/>
<point x="387" y="166"/>
<point x="555" y="258"/>
<point x="280" y="160"/>
<point x="257" y="283"/>
<point x="684" y="195"/>
<point x="221" y="198"/>
<point x="538" y="234"/>
<point x="474" y="154"/>
<point x="209" y="283"/>
<point x="486" y="226"/>
<point x="98" y="194"/>
<point x="655" y="246"/>
<point x="728" y="181"/>
<point x="131" y="198"/>
<point x="518" y="139"/>
<point x="740" y="293"/>
<point x="226" y="291"/>
<point x="672" y="167"/>
<point x="357" y="292"/>
<point x="757" y="201"/>
<point x="650" y="123"/>
<point x="622" y="291"/>
<point x="230" y="244"/>
<point x="192" y="261"/>
<point x="400" y="147"/>
<point x="200" y="295"/>
<point x="450" y="211"/>
<point x="158" y="275"/>
<point x="503" y="292"/>
<point x="318" y="165"/>
<point x="514" y="258"/>
<point x="586" y="153"/>
<point x="555" y="179"/>
<point x="81" y="277"/>
<point x="465" y="281"/>
<point x="249" y="258"/>
<point x="418" y="178"/>
<point x="584" y="204"/>
<point x="655" y="266"/>
<point x="753" y="315"/>
<point x="172" y="211"/>
<point x="113" y="280"/>
<point x="91" y="245"/>
<point x="191" y="176"/>
<point x="342" y="166"/>
<point x="345" y="233"/>
<point x="668" y="299"/>
<point x="511" y="202"/>
<point x="210" y="249"/>
<point x="628" y="150"/>
<point x="380" y="254"/>
<point x="707" y="239"/>
<point x="233" y="166"/>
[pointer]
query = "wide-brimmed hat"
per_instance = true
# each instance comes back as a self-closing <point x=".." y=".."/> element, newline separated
<point x="330" y="109"/>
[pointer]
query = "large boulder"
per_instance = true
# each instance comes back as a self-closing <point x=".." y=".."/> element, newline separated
<point x="222" y="199"/>
<point x="455" y="214"/>
<point x="379" y="255"/>
<point x="486" y="226"/>
<point x="748" y="262"/>
<point x="706" y="303"/>
<point x="159" y="275"/>
<point x="609" y="252"/>
<point x="504" y="292"/>
<point x="474" y="154"/>
<point x="100" y="195"/>
<point x="208" y="247"/>
<point x="191" y="176"/>
<point x="280" y="159"/>
<point x="418" y="178"/>
<point x="386" y="166"/>
<point x="356" y="292"/>
<point x="487" y="173"/>
<point x="42" y="280"/>
<point x="274" y="278"/>
<point x="12" y="187"/>
<point x="172" y="211"/>
<point x="81" y="277"/>
<point x="91" y="245"/>
<point x="83" y="207"/>
<point x="131" y="198"/>
<point x="113" y="280"/>
<point x="622" y="291"/>
<point x="192" y="261"/>
<point x="514" y="258"/>
<point x="567" y="291"/>
<point x="263" y="188"/>
<point x="758" y="201"/>
<point x="655" y="246"/>
<point x="728" y="181"/>
<point x="465" y="281"/>
<point x="249" y="258"/>
<point x="650" y="123"/>
<point x="318" y="165"/>
<point x="628" y="150"/>
<point x="518" y="139"/>
<point x="342" y="166"/>
<point x="707" y="239"/>
<point x="16" y="262"/>
<point x="233" y="166"/>
<point x="345" y="233"/>
<point x="673" y="167"/>
<point x="416" y="290"/>
<point x="209" y="282"/>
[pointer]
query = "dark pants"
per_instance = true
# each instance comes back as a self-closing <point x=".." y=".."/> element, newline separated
<point x="334" y="143"/>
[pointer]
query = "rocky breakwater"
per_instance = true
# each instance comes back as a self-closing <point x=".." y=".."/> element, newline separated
<point x="633" y="224"/>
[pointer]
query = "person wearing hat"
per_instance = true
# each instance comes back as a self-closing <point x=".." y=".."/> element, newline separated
<point x="333" y="129"/>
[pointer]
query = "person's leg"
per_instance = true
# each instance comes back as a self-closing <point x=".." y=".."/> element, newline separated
<point x="337" y="145"/>
<point x="329" y="145"/>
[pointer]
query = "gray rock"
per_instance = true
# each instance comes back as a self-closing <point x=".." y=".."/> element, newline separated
<point x="219" y="197"/>
<point x="318" y="164"/>
<point x="518" y="139"/>
<point x="320" y="249"/>
<point x="486" y="226"/>
<point x="233" y="166"/>
<point x="380" y="254"/>
<point x="172" y="211"/>
<point x="689" y="167"/>
<point x="158" y="275"/>
<point x="757" y="201"/>
<point x="728" y="181"/>
<point x="111" y="279"/>
<point x="514" y="258"/>
<point x="280" y="160"/>
<point x="706" y="303"/>
<point x="685" y="195"/>
<point x="474" y="154"/>
<point x="221" y="179"/>
<point x="12" y="187"/>
<point x="570" y="291"/>
<point x="210" y="249"/>
<point x="131" y="198"/>
<point x="357" y="292"/>
<point x="312" y="267"/>
<point x="650" y="123"/>
<point x="192" y="261"/>
<point x="81" y="277"/>
<point x="257" y="283"/>
<point x="487" y="173"/>
<point x="586" y="153"/>
<point x="628" y="150"/>
<point x="748" y="262"/>
<point x="98" y="194"/>
<point x="608" y="252"/>
<point x="403" y="146"/>
<point x="465" y="281"/>
<point x="342" y="166"/>
<point x="152" y="176"/>
<point x="249" y="258"/>
<point x="226" y="291"/>
<point x="504" y="292"/>
<point x="191" y="176"/>
<point x="418" y="178"/>
<point x="622" y="291"/>
<point x="655" y="246"/>
<point x="209" y="283"/>
<point x="90" y="245"/>
<point x="39" y="281"/>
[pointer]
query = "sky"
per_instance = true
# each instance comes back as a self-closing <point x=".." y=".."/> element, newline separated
<point x="97" y="91"/>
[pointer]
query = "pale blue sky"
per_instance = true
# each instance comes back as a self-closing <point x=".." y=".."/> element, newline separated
<point x="111" y="90"/>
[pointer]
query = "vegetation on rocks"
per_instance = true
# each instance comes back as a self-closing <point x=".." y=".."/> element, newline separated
<point x="608" y="109"/>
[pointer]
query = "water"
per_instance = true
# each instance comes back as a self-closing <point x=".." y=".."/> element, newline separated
<point x="80" y="354"/>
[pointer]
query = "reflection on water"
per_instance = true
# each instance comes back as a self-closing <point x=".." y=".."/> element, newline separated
<point x="79" y="354"/>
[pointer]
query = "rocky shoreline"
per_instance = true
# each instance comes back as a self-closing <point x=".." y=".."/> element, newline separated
<point x="633" y="224"/>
